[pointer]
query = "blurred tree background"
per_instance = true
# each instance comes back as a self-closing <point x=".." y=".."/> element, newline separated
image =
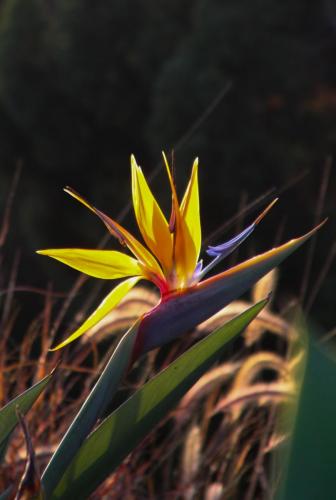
<point x="83" y="84"/>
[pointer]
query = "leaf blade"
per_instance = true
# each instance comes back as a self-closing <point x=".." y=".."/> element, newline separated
<point x="91" y="409"/>
<point x="128" y="424"/>
<point x="8" y="417"/>
<point x="311" y="460"/>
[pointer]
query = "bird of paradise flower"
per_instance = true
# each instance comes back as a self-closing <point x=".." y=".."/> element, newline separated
<point x="170" y="261"/>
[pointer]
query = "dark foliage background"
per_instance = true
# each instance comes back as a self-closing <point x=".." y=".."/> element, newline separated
<point x="83" y="84"/>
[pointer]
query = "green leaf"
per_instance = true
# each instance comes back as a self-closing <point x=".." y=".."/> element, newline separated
<point x="8" y="417"/>
<point x="3" y="448"/>
<point x="117" y="436"/>
<point x="287" y="414"/>
<point x="92" y="408"/>
<point x="312" y="467"/>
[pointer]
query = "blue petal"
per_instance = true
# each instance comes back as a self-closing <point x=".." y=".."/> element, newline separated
<point x="228" y="247"/>
<point x="219" y="252"/>
<point x="198" y="270"/>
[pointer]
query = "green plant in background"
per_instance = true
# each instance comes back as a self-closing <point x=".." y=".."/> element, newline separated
<point x="83" y="460"/>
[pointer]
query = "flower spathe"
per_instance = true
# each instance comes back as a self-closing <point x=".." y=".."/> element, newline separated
<point x="170" y="258"/>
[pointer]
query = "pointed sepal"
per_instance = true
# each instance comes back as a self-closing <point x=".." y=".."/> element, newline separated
<point x="181" y="312"/>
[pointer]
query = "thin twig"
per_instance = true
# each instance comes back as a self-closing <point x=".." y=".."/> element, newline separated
<point x="9" y="204"/>
<point x="239" y="225"/>
<point x="258" y="462"/>
<point x="328" y="335"/>
<point x="317" y="218"/>
<point x="293" y="182"/>
<point x="246" y="210"/>
<point x="10" y="294"/>
<point x="184" y="139"/>
<point x="32" y="289"/>
<point x="321" y="277"/>
<point x="254" y="204"/>
<point x="72" y="294"/>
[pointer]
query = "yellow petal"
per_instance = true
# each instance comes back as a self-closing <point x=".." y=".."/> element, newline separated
<point x="171" y="181"/>
<point x="106" y="264"/>
<point x="151" y="221"/>
<point x="111" y="301"/>
<point x="125" y="238"/>
<point x="185" y="252"/>
<point x="190" y="209"/>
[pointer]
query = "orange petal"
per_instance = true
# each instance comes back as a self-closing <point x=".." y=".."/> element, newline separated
<point x="151" y="221"/>
<point x="149" y="263"/>
<point x="185" y="252"/>
<point x="190" y="210"/>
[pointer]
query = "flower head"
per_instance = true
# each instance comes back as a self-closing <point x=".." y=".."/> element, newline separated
<point x="170" y="260"/>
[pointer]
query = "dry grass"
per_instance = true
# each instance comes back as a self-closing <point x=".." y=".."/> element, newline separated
<point x="220" y="440"/>
<point x="208" y="446"/>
